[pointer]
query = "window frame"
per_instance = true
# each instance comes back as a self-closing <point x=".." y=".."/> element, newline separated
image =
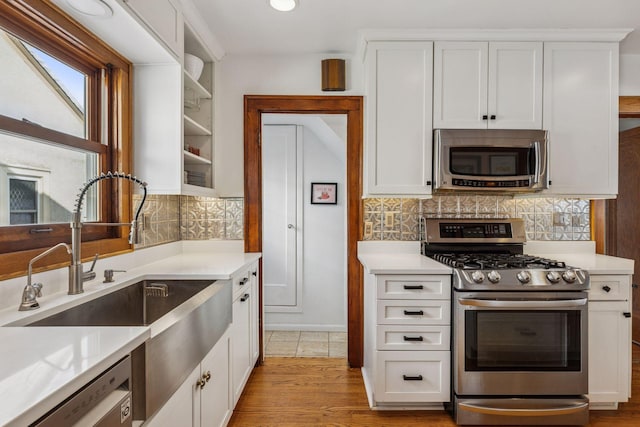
<point x="48" y="28"/>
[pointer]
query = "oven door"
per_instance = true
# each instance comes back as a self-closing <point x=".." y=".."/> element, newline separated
<point x="520" y="343"/>
<point x="490" y="160"/>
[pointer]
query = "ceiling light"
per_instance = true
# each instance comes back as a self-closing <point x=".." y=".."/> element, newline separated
<point x="96" y="8"/>
<point x="283" y="5"/>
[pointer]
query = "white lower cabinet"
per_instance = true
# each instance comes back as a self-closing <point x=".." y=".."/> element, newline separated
<point x="203" y="398"/>
<point x="407" y="357"/>
<point x="244" y="347"/>
<point x="609" y="341"/>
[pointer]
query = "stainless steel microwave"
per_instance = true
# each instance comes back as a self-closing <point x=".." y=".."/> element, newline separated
<point x="480" y="160"/>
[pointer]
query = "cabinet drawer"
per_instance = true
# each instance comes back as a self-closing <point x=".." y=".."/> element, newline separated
<point x="413" y="337"/>
<point x="414" y="312"/>
<point x="412" y="376"/>
<point x="414" y="287"/>
<point x="610" y="288"/>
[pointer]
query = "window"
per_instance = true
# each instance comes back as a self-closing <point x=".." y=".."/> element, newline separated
<point x="64" y="118"/>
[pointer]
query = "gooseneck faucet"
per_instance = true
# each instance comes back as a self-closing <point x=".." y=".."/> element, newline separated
<point x="77" y="276"/>
<point x="31" y="291"/>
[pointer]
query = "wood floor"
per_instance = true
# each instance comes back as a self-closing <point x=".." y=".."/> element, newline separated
<point x="325" y="392"/>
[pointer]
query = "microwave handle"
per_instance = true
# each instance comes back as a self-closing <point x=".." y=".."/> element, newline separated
<point x="536" y="172"/>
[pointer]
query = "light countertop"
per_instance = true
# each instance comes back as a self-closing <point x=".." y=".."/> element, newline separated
<point x="401" y="263"/>
<point x="41" y="366"/>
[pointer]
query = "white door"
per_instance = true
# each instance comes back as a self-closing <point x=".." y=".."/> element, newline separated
<point x="280" y="223"/>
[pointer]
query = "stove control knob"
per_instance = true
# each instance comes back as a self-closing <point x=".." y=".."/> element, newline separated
<point x="493" y="276"/>
<point x="553" y="276"/>
<point x="569" y="276"/>
<point x="524" y="276"/>
<point x="477" y="276"/>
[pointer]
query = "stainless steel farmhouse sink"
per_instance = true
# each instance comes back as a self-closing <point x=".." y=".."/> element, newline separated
<point x="186" y="317"/>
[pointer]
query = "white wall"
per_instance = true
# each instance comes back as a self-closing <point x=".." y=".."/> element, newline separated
<point x="324" y="290"/>
<point x="262" y="75"/>
<point x="629" y="75"/>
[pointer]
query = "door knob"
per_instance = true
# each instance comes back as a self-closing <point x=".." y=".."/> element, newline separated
<point x="291" y="226"/>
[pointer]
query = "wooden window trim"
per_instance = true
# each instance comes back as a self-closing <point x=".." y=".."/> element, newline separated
<point x="43" y="24"/>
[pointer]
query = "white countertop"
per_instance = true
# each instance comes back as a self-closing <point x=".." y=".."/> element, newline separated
<point x="400" y="263"/>
<point x="41" y="366"/>
<point x="595" y="263"/>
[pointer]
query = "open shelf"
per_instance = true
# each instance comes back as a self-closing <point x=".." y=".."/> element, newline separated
<point x="192" y="128"/>
<point x="192" y="159"/>
<point x="191" y="83"/>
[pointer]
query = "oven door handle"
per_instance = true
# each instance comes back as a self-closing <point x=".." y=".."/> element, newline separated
<point x="525" y="412"/>
<point x="485" y="303"/>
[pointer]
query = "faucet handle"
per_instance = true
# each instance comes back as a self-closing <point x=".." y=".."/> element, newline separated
<point x="93" y="264"/>
<point x="37" y="287"/>
<point x="90" y="274"/>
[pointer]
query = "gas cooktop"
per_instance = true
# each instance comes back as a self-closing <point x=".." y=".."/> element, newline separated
<point x="487" y="255"/>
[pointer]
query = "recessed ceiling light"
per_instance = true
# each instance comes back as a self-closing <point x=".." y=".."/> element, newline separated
<point x="283" y="5"/>
<point x="96" y="8"/>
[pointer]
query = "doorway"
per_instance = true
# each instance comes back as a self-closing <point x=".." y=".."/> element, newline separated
<point x="304" y="234"/>
<point x="352" y="107"/>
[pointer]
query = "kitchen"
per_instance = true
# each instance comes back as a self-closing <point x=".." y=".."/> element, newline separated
<point x="237" y="75"/>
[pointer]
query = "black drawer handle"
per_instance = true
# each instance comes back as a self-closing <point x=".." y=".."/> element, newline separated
<point x="493" y="117"/>
<point x="626" y="314"/>
<point x="485" y="117"/>
<point x="420" y="338"/>
<point x="410" y="378"/>
<point x="606" y="288"/>
<point x="243" y="281"/>
<point x="414" y="313"/>
<point x="244" y="297"/>
<point x="413" y="287"/>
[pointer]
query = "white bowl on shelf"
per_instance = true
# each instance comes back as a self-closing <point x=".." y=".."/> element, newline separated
<point x="193" y="65"/>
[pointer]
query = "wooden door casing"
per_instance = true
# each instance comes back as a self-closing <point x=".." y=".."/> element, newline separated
<point x="352" y="106"/>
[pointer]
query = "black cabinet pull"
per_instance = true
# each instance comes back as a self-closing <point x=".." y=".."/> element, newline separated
<point x="254" y="273"/>
<point x="420" y="338"/>
<point x="428" y="182"/>
<point x="244" y="297"/>
<point x="493" y="117"/>
<point x="485" y="117"/>
<point x="634" y="285"/>
<point x="413" y="287"/>
<point x="413" y="313"/>
<point x="243" y="281"/>
<point x="626" y="314"/>
<point x="606" y="288"/>
<point x="411" y="378"/>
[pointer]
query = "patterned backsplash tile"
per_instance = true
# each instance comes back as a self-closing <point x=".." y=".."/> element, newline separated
<point x="545" y="218"/>
<point x="169" y="218"/>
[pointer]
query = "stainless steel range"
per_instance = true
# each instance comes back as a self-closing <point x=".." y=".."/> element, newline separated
<point x="519" y="326"/>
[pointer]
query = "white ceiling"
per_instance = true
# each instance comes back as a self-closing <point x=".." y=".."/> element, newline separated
<point x="331" y="26"/>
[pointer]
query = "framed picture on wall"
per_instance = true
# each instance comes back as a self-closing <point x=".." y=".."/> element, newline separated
<point x="324" y="193"/>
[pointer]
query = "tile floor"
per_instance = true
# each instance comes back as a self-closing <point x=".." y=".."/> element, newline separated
<point x="306" y="344"/>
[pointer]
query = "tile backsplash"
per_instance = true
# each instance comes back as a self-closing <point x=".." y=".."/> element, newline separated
<point x="169" y="218"/>
<point x="545" y="218"/>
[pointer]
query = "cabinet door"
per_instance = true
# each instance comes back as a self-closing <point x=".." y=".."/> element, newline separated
<point x="399" y="118"/>
<point x="164" y="18"/>
<point x="241" y="346"/>
<point x="215" y="402"/>
<point x="580" y="112"/>
<point x="609" y="352"/>
<point x="515" y="85"/>
<point x="460" y="85"/>
<point x="182" y="408"/>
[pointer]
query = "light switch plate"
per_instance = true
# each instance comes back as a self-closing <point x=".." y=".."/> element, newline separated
<point x="368" y="229"/>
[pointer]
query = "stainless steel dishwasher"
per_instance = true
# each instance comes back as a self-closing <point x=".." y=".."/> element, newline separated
<point x="104" y="402"/>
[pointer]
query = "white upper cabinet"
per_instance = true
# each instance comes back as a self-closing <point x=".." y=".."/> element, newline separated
<point x="581" y="115"/>
<point x="164" y="18"/>
<point x="494" y="85"/>
<point x="399" y="118"/>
